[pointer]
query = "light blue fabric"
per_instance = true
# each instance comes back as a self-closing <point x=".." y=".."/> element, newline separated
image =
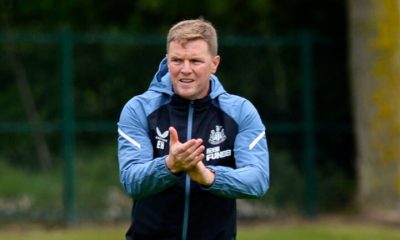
<point x="141" y="175"/>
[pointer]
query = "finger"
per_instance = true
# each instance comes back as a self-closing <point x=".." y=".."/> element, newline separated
<point x="189" y="150"/>
<point x="200" y="158"/>
<point x="183" y="150"/>
<point x="198" y="150"/>
<point x="190" y="146"/>
<point x="195" y="161"/>
<point x="173" y="135"/>
<point x="196" y="156"/>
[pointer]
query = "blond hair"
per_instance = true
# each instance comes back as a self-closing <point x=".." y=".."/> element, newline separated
<point x="189" y="30"/>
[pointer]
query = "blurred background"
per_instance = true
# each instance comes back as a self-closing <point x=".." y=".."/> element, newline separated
<point x="324" y="76"/>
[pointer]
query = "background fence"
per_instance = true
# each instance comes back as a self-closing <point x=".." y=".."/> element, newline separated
<point x="79" y="82"/>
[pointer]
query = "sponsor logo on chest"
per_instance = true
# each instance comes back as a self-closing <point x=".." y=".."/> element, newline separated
<point x="215" y="153"/>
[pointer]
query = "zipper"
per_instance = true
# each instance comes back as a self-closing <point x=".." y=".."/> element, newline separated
<point x="187" y="178"/>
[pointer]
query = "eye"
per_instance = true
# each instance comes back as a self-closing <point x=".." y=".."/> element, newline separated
<point x="176" y="61"/>
<point x="196" y="61"/>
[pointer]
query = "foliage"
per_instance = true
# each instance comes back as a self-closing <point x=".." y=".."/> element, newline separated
<point x="256" y="16"/>
<point x="24" y="191"/>
<point x="263" y="64"/>
<point x="39" y="194"/>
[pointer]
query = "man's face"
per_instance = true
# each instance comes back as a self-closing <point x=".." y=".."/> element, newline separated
<point x="191" y="66"/>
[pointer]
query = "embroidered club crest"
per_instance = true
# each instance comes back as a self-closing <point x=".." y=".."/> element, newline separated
<point x="217" y="136"/>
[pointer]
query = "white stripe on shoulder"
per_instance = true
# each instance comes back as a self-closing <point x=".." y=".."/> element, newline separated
<point x="131" y="140"/>
<point x="255" y="141"/>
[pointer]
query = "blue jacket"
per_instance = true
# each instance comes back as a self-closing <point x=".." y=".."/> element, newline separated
<point x="169" y="206"/>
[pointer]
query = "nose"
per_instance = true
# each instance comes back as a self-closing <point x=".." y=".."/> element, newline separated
<point x="186" y="68"/>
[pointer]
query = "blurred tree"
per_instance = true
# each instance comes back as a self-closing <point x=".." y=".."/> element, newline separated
<point x="25" y="93"/>
<point x="30" y="108"/>
<point x="375" y="65"/>
<point x="151" y="16"/>
<point x="107" y="74"/>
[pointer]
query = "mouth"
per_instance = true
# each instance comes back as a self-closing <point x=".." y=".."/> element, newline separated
<point x="186" y="80"/>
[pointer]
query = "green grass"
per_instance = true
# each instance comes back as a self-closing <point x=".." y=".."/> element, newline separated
<point x="306" y="231"/>
<point x="320" y="231"/>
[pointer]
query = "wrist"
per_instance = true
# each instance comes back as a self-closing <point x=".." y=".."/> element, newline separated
<point x="169" y="164"/>
<point x="208" y="176"/>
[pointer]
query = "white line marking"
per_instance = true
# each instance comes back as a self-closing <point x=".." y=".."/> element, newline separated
<point x="252" y="144"/>
<point x="131" y="140"/>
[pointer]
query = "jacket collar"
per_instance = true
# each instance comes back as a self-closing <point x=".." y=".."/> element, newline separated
<point x="197" y="104"/>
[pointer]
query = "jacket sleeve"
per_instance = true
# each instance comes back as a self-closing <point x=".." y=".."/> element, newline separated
<point x="140" y="174"/>
<point x="250" y="179"/>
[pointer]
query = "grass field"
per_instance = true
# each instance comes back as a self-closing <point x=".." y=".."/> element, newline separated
<point x="287" y="231"/>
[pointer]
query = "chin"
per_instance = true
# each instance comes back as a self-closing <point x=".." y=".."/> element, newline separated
<point x="185" y="94"/>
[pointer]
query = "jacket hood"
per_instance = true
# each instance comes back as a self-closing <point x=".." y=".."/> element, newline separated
<point x="162" y="82"/>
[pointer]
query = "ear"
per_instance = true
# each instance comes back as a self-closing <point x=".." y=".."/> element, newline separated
<point x="216" y="59"/>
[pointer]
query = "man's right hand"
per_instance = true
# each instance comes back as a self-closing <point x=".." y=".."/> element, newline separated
<point x="183" y="156"/>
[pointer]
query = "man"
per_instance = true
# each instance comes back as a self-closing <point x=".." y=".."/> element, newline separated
<point x="187" y="148"/>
